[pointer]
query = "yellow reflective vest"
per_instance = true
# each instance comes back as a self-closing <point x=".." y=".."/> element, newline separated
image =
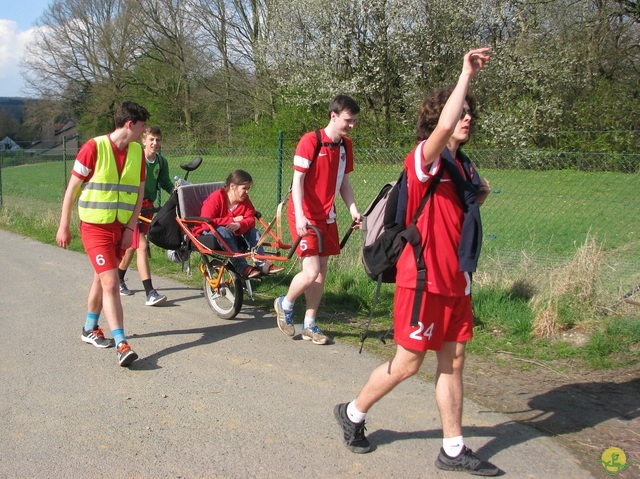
<point x="107" y="196"/>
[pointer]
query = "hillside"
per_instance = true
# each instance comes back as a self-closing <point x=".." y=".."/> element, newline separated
<point x="14" y="106"/>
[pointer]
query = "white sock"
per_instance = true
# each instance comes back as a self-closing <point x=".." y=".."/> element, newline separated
<point x="354" y="415"/>
<point x="286" y="305"/>
<point x="453" y="445"/>
<point x="309" y="322"/>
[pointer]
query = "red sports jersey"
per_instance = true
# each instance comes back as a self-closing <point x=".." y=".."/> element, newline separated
<point x="86" y="158"/>
<point x="441" y="224"/>
<point x="324" y="175"/>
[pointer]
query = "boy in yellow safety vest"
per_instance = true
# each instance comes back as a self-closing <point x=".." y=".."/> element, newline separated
<point x="108" y="177"/>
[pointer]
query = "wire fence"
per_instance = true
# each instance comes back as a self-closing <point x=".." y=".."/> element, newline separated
<point x="543" y="206"/>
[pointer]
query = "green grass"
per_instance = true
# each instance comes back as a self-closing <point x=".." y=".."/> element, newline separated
<point x="544" y="213"/>
<point x="532" y="225"/>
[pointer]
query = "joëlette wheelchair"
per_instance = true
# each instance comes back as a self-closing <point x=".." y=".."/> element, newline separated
<point x="224" y="287"/>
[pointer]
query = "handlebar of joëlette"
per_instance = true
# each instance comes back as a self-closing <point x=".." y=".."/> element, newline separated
<point x="299" y="238"/>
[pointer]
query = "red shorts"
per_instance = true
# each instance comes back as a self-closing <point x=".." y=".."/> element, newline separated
<point x="308" y="245"/>
<point x="142" y="227"/>
<point x="102" y="244"/>
<point x="442" y="319"/>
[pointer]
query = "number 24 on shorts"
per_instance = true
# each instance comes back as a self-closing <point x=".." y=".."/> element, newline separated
<point x="421" y="331"/>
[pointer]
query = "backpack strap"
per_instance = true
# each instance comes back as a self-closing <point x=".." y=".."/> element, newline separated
<point x="418" y="250"/>
<point x="364" y="334"/>
<point x="319" y="145"/>
<point x="160" y="160"/>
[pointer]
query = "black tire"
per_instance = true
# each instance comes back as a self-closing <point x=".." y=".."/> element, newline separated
<point x="226" y="300"/>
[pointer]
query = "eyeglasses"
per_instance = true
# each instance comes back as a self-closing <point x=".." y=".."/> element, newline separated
<point x="464" y="114"/>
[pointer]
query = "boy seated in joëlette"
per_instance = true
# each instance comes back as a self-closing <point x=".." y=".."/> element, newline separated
<point x="233" y="217"/>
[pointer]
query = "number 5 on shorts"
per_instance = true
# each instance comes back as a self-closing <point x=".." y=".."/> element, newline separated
<point x="418" y="333"/>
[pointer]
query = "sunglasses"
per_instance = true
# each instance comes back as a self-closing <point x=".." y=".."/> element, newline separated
<point x="464" y="114"/>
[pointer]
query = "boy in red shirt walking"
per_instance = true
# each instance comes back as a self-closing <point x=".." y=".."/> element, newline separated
<point x="316" y="183"/>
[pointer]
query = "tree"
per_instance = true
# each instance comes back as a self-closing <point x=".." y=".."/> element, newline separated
<point x="170" y="59"/>
<point x="9" y="125"/>
<point x="83" y="54"/>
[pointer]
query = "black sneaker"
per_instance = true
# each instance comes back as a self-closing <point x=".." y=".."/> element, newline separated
<point x="354" y="437"/>
<point x="154" y="298"/>
<point x="96" y="337"/>
<point x="126" y="355"/>
<point x="466" y="461"/>
<point x="124" y="291"/>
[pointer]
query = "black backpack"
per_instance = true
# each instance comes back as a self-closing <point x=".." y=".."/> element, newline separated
<point x="164" y="230"/>
<point x="383" y="223"/>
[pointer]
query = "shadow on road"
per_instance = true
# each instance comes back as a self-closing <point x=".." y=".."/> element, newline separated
<point x="592" y="410"/>
<point x="208" y="335"/>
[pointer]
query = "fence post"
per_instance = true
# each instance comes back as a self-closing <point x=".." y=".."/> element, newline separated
<point x="279" y="170"/>
<point x="1" y="165"/>
<point x="64" y="160"/>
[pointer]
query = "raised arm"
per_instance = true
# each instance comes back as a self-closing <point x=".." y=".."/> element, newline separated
<point x="474" y="62"/>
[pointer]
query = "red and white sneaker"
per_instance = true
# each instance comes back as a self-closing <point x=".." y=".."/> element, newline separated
<point x="126" y="355"/>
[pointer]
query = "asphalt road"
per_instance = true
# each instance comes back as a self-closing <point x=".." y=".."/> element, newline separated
<point x="209" y="398"/>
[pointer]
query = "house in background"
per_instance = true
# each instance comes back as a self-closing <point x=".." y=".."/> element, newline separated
<point x="57" y="137"/>
<point x="7" y="144"/>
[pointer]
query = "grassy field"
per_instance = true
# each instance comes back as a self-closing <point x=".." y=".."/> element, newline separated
<point x="540" y="216"/>
<point x="535" y="225"/>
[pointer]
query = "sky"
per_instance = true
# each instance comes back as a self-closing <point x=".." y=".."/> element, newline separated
<point x="17" y="19"/>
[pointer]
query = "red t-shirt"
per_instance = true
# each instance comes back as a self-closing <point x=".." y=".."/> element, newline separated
<point x="324" y="175"/>
<point x="441" y="223"/>
<point x="216" y="207"/>
<point x="87" y="156"/>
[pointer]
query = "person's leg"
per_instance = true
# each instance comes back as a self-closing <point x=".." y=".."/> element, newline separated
<point x="142" y="259"/>
<point x="125" y="262"/>
<point x="92" y="333"/>
<point x="283" y="305"/>
<point x="253" y="236"/>
<point x="153" y="298"/>
<point x="454" y="455"/>
<point x="351" y="416"/>
<point x="239" y="264"/>
<point x="304" y="279"/>
<point x="112" y="307"/>
<point x="313" y="292"/>
<point x="449" y="387"/>
<point x="387" y="376"/>
<point x="94" y="302"/>
<point x="266" y="267"/>
<point x="313" y="296"/>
